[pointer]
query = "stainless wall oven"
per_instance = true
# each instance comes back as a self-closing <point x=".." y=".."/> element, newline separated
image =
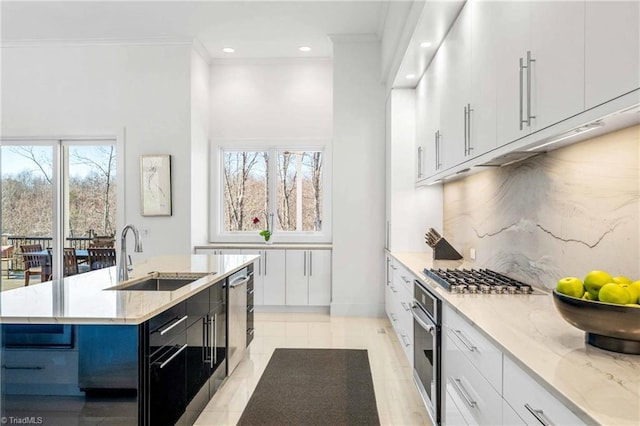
<point x="427" y="314"/>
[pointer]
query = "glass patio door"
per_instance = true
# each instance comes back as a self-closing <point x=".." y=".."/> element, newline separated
<point x="56" y="194"/>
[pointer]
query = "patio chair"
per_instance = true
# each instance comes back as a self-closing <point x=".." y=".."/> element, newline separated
<point x="102" y="241"/>
<point x="100" y="257"/>
<point x="70" y="262"/>
<point x="35" y="264"/>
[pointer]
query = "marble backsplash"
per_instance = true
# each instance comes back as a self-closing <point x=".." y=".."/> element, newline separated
<point x="562" y="213"/>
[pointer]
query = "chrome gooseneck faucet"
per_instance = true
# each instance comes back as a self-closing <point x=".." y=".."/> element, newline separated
<point x="123" y="267"/>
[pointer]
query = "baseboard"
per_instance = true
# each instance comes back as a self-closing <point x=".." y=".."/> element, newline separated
<point x="292" y="309"/>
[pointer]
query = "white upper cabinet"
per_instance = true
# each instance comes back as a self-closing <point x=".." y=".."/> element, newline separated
<point x="557" y="75"/>
<point x="485" y="41"/>
<point x="455" y="77"/>
<point x="428" y="121"/>
<point x="540" y="65"/>
<point x="612" y="50"/>
<point x="513" y="20"/>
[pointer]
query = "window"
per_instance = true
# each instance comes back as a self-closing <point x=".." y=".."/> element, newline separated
<point x="55" y="194"/>
<point x="281" y="187"/>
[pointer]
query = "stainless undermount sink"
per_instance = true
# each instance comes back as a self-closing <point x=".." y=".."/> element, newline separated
<point x="160" y="282"/>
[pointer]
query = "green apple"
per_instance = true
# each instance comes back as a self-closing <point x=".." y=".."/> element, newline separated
<point x="621" y="280"/>
<point x="595" y="280"/>
<point x="614" y="293"/>
<point x="571" y="286"/>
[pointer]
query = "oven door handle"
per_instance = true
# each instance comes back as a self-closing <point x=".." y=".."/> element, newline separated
<point x="428" y="327"/>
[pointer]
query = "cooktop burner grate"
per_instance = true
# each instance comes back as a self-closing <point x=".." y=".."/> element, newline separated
<point x="477" y="281"/>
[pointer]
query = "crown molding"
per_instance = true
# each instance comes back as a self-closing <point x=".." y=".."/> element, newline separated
<point x="266" y="61"/>
<point x="154" y="41"/>
<point x="354" y="38"/>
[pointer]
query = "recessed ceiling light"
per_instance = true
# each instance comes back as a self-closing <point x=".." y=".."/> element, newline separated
<point x="228" y="50"/>
<point x="304" y="49"/>
<point x="410" y="76"/>
<point x="426" y="44"/>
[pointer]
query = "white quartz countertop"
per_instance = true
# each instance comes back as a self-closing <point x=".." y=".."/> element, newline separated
<point x="598" y="385"/>
<point x="86" y="299"/>
<point x="264" y="246"/>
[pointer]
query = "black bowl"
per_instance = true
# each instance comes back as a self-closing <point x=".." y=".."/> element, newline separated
<point x="608" y="326"/>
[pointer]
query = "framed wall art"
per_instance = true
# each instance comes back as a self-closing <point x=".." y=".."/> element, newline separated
<point x="155" y="175"/>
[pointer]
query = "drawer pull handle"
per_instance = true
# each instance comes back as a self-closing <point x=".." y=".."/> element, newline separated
<point x="7" y="367"/>
<point x="406" y="340"/>
<point x="539" y="415"/>
<point x="164" y="364"/>
<point x="250" y="309"/>
<point x="250" y="292"/>
<point x="405" y="279"/>
<point x="393" y="289"/>
<point x="465" y="341"/>
<point x="393" y="267"/>
<point x="164" y="331"/>
<point x="405" y="306"/>
<point x="250" y="331"/>
<point x="459" y="387"/>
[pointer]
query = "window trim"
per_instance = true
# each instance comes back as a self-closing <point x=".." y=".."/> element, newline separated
<point x="216" y="233"/>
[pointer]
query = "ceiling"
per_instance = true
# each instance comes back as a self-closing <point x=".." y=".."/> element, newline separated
<point x="255" y="29"/>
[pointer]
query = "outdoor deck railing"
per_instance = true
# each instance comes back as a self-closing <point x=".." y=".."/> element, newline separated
<point x="81" y="243"/>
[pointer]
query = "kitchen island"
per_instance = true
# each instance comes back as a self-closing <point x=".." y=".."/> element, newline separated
<point x="598" y="386"/>
<point x="98" y="350"/>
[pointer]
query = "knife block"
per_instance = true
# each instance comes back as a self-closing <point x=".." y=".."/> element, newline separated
<point x="442" y="250"/>
<point x="445" y="251"/>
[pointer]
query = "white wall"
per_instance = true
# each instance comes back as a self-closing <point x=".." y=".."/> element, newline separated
<point x="200" y="116"/>
<point x="103" y="90"/>
<point x="359" y="178"/>
<point x="271" y="99"/>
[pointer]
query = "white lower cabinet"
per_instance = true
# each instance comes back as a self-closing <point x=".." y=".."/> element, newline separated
<point x="274" y="277"/>
<point x="532" y="403"/>
<point x="478" y="402"/>
<point x="398" y="301"/>
<point x="287" y="277"/>
<point x="481" y="385"/>
<point x="308" y="277"/>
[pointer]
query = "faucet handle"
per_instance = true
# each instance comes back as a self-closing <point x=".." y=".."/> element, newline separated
<point x="129" y="264"/>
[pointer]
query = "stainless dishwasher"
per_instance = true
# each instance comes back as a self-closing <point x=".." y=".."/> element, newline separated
<point x="237" y="318"/>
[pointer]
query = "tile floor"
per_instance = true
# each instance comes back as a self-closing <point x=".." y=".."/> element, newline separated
<point x="397" y="398"/>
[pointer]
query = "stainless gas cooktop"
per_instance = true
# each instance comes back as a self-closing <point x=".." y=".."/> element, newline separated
<point x="484" y="281"/>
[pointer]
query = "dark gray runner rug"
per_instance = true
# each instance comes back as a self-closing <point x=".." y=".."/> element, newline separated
<point x="314" y="387"/>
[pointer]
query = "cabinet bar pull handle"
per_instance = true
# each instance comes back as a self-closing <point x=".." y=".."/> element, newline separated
<point x="164" y="364"/>
<point x="250" y="310"/>
<point x="435" y="140"/>
<point x="466" y="120"/>
<point x="393" y="289"/>
<point x="419" y="162"/>
<point x="459" y="387"/>
<point x="265" y="262"/>
<point x="469" y="148"/>
<point x="521" y="101"/>
<point x="305" y="263"/>
<point x="250" y="331"/>
<point x="8" y="367"/>
<point x="393" y="317"/>
<point x="439" y="165"/>
<point x="250" y="292"/>
<point x="539" y="415"/>
<point x="165" y="330"/>
<point x="529" y="61"/>
<point x="465" y="341"/>
<point x="214" y="334"/>
<point x="205" y="338"/>
<point x="310" y="263"/>
<point x="405" y="306"/>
